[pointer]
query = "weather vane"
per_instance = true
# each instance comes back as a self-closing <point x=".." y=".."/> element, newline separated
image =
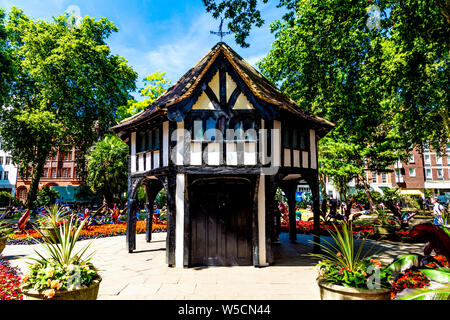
<point x="221" y="33"/>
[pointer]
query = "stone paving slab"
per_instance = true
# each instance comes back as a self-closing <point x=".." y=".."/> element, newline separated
<point x="144" y="275"/>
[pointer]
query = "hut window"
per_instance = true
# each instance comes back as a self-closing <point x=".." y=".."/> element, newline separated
<point x="303" y="136"/>
<point x="150" y="140"/>
<point x="157" y="142"/>
<point x="250" y="132"/>
<point x="286" y="137"/>
<point x="140" y="143"/>
<point x="295" y="136"/>
<point x="211" y="129"/>
<point x="238" y="131"/>
<point x="198" y="130"/>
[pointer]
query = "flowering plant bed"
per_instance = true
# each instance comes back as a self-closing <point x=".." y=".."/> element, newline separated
<point x="411" y="279"/>
<point x="361" y="230"/>
<point x="9" y="282"/>
<point x="89" y="232"/>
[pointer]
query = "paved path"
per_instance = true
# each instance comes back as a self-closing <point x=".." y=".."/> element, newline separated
<point x="144" y="275"/>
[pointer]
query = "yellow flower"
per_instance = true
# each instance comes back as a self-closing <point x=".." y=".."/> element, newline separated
<point x="50" y="293"/>
<point x="49" y="272"/>
<point x="338" y="254"/>
<point x="55" y="284"/>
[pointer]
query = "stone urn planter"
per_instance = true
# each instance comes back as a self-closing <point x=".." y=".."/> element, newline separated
<point x="3" y="243"/>
<point x="83" y="294"/>
<point x="50" y="233"/>
<point x="335" y="292"/>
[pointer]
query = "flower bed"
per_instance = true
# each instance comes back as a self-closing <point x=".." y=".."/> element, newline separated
<point x="9" y="282"/>
<point x="307" y="227"/>
<point x="90" y="232"/>
<point x="411" y="279"/>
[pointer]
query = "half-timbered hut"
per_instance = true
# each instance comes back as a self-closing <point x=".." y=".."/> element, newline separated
<point x="221" y="141"/>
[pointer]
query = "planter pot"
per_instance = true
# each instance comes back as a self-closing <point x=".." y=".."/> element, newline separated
<point x="3" y="243"/>
<point x="335" y="292"/>
<point x="83" y="294"/>
<point x="51" y="233"/>
<point x="385" y="231"/>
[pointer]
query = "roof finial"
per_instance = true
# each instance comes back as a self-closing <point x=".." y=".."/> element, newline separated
<point x="221" y="33"/>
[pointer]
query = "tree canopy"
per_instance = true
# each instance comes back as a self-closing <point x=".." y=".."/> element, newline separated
<point x="156" y="85"/>
<point x="108" y="168"/>
<point x="66" y="91"/>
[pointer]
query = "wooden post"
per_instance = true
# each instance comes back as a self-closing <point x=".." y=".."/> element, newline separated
<point x="131" y="225"/>
<point x="149" y="206"/>
<point x="171" y="218"/>
<point x="313" y="181"/>
<point x="270" y="196"/>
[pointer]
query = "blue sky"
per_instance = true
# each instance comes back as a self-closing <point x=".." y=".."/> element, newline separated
<point x="167" y="36"/>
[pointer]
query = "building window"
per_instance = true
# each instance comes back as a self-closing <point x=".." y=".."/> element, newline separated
<point x="149" y="140"/>
<point x="156" y="134"/>
<point x="22" y="194"/>
<point x="384" y="177"/>
<point x="440" y="174"/>
<point x="66" y="173"/>
<point x="54" y="173"/>
<point x="211" y="129"/>
<point x="1" y="161"/>
<point x="7" y="161"/>
<point x="438" y="161"/>
<point x="198" y="130"/>
<point x="412" y="172"/>
<point x="6" y="175"/>
<point x="398" y="175"/>
<point x="429" y="174"/>
<point x="295" y="138"/>
<point x="427" y="160"/>
<point x="45" y="173"/>
<point x="411" y="158"/>
<point x="374" y="177"/>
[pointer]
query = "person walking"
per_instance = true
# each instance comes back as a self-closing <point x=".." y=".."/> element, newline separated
<point x="438" y="210"/>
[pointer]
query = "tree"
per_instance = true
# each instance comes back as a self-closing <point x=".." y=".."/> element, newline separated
<point x="417" y="63"/>
<point x="66" y="93"/>
<point x="7" y="71"/>
<point x="413" y="42"/>
<point x="157" y="84"/>
<point x="46" y="197"/>
<point x="108" y="168"/>
<point x="340" y="162"/>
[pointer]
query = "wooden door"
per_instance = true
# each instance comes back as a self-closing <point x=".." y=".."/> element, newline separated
<point x="221" y="223"/>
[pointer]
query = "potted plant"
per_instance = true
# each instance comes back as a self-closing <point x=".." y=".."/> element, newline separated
<point x="65" y="274"/>
<point x="50" y="222"/>
<point x="5" y="231"/>
<point x="383" y="227"/>
<point x="346" y="274"/>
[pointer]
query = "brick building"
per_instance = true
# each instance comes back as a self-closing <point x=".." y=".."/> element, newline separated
<point x="59" y="171"/>
<point x="421" y="171"/>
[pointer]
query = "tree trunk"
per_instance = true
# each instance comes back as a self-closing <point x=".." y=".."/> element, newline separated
<point x="367" y="189"/>
<point x="324" y="194"/>
<point x="34" y="186"/>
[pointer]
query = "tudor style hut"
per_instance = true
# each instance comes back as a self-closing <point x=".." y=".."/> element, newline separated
<point x="221" y="141"/>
